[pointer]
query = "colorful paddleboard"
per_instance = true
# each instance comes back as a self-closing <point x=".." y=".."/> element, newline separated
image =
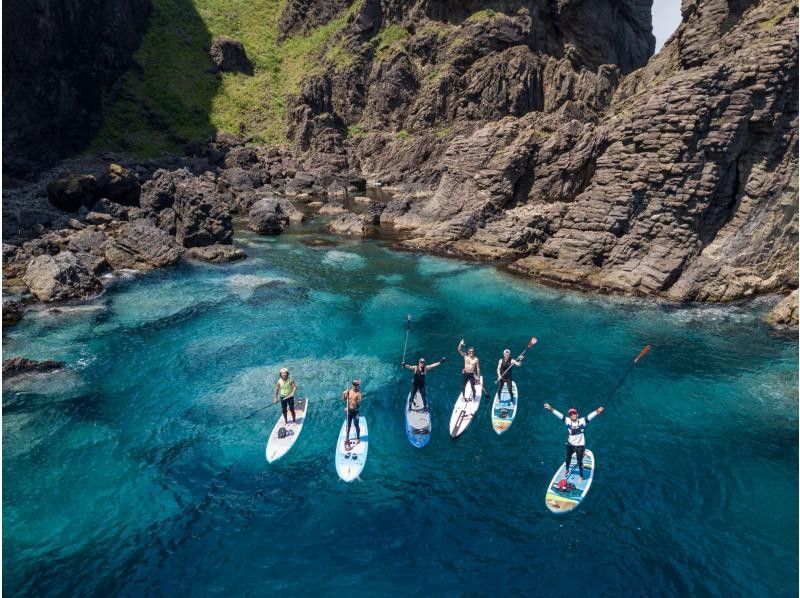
<point x="350" y="458"/>
<point x="280" y="442"/>
<point x="504" y="409"/>
<point x="418" y="421"/>
<point x="465" y="409"/>
<point x="561" y="499"/>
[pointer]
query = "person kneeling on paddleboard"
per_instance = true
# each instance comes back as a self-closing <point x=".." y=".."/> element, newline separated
<point x="353" y="398"/>
<point x="420" y="370"/>
<point x="576" y="443"/>
<point x="504" y="367"/>
<point x="472" y="368"/>
<point x="285" y="387"/>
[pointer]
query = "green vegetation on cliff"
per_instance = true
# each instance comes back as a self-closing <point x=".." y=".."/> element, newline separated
<point x="173" y="99"/>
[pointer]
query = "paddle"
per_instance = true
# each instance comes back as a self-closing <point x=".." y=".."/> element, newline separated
<point x="531" y="342"/>
<point x="408" y="328"/>
<point x="641" y="354"/>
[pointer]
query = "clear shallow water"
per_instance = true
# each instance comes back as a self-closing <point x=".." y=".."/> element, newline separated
<point x="137" y="471"/>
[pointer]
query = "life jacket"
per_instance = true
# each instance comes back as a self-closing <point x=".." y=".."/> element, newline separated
<point x="285" y="387"/>
<point x="565" y="486"/>
<point x="506" y="367"/>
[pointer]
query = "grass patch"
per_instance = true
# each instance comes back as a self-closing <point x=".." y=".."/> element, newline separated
<point x="481" y="15"/>
<point x="784" y="12"/>
<point x="356" y="131"/>
<point x="403" y="135"/>
<point x="389" y="39"/>
<point x="443" y="132"/>
<point x="172" y="100"/>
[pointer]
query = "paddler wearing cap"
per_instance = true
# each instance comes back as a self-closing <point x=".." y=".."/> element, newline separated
<point x="576" y="443"/>
<point x="353" y="397"/>
<point x="285" y="387"/>
<point x="418" y="382"/>
<point x="504" y="368"/>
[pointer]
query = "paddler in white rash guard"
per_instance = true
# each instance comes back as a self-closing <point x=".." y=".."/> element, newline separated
<point x="576" y="443"/>
<point x="472" y="369"/>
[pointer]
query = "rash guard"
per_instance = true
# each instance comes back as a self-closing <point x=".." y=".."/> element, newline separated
<point x="575" y="429"/>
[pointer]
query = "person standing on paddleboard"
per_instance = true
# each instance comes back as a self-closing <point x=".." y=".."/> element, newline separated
<point x="576" y="443"/>
<point x="504" y="367"/>
<point x="285" y="387"/>
<point x="420" y="371"/>
<point x="472" y="368"/>
<point x="353" y="397"/>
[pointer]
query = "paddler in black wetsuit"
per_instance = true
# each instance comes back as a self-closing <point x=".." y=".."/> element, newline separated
<point x="420" y="371"/>
<point x="504" y="368"/>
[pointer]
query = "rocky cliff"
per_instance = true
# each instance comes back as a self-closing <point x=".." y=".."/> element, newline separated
<point x="58" y="56"/>
<point x="526" y="133"/>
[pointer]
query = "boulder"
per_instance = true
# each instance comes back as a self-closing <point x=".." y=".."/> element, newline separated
<point x="228" y="54"/>
<point x="141" y="246"/>
<point x="12" y="312"/>
<point x="19" y="365"/>
<point x="98" y="218"/>
<point x="54" y="278"/>
<point x="120" y="185"/>
<point x="71" y="192"/>
<point x="89" y="246"/>
<point x="784" y="314"/>
<point x="215" y="253"/>
<point x="269" y="216"/>
<point x="349" y="224"/>
<point x="113" y="209"/>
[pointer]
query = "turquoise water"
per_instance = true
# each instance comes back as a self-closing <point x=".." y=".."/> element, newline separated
<point x="137" y="471"/>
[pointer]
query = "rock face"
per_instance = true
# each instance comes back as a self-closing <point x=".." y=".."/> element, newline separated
<point x="58" y="55"/>
<point x="529" y="135"/>
<point x="141" y="246"/>
<point x="55" y="278"/>
<point x="785" y="314"/>
<point x="270" y="216"/>
<point x="228" y="54"/>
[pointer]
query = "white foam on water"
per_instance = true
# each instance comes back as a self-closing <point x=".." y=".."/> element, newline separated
<point x="344" y="260"/>
<point x="391" y="278"/>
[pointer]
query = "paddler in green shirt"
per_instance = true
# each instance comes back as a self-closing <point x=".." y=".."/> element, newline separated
<point x="285" y="387"/>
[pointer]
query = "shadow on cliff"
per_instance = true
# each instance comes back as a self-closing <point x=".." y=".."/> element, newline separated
<point x="163" y="101"/>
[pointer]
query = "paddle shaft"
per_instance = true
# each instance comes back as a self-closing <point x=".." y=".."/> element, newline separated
<point x="521" y="355"/>
<point x="641" y="354"/>
<point x="264" y="407"/>
<point x="408" y="328"/>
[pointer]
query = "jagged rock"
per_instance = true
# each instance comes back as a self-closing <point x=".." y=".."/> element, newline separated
<point x="106" y="206"/>
<point x="12" y="312"/>
<point x="88" y="246"/>
<point x="215" y="253"/>
<point x="269" y="216"/>
<point x="20" y="365"/>
<point x="55" y="278"/>
<point x="119" y="185"/>
<point x="188" y="206"/>
<point x="785" y="313"/>
<point x="98" y="218"/>
<point x="139" y="245"/>
<point x="349" y="224"/>
<point x="73" y="191"/>
<point x="228" y="54"/>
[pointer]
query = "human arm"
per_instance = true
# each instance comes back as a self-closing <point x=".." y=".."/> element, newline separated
<point x="437" y="364"/>
<point x="499" y="369"/>
<point x="459" y="348"/>
<point x="555" y="412"/>
<point x="478" y="368"/>
<point x="595" y="413"/>
<point x="277" y="388"/>
<point x="294" y="389"/>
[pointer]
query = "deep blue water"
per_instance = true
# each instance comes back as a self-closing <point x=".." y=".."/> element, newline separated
<point x="138" y="472"/>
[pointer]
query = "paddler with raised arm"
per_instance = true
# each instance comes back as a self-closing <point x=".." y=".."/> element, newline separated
<point x="472" y="369"/>
<point x="576" y="442"/>
<point x="418" y="382"/>
<point x="504" y="367"/>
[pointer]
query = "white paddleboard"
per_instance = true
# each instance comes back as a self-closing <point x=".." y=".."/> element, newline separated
<point x="279" y="442"/>
<point x="565" y="500"/>
<point x="464" y="409"/>
<point x="504" y="409"/>
<point x="350" y="459"/>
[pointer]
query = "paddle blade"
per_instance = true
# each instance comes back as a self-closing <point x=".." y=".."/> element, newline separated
<point x="642" y="353"/>
<point x="532" y="342"/>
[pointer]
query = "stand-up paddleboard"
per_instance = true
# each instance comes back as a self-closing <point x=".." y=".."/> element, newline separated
<point x="465" y="408"/>
<point x="560" y="499"/>
<point x="418" y="421"/>
<point x="350" y="459"/>
<point x="504" y="409"/>
<point x="285" y="435"/>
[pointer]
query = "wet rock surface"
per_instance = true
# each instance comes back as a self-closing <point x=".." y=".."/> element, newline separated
<point x="215" y="253"/>
<point x="17" y="366"/>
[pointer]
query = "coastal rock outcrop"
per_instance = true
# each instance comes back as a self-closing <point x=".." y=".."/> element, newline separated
<point x="272" y="215"/>
<point x="139" y="245"/>
<point x="217" y="254"/>
<point x="785" y="313"/>
<point x="228" y="54"/>
<point x="59" y="277"/>
<point x="17" y="366"/>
